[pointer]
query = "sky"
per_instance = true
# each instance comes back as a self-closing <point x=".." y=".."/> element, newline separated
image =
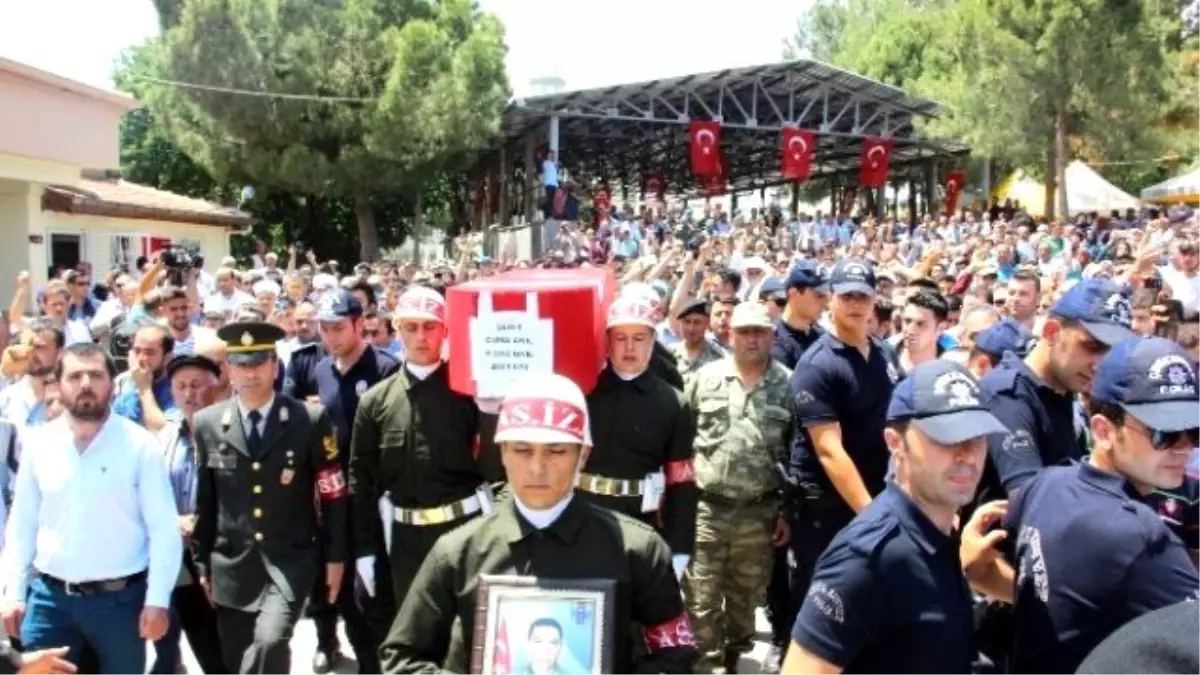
<point x="626" y="41"/>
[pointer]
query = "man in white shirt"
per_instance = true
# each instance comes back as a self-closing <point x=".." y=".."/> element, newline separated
<point x="1181" y="275"/>
<point x="92" y="547"/>
<point x="228" y="299"/>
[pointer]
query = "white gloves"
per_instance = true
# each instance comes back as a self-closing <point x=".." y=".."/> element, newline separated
<point x="680" y="562"/>
<point x="366" y="573"/>
<point x="489" y="406"/>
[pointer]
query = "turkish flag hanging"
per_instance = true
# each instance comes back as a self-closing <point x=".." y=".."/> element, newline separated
<point x="876" y="153"/>
<point x="798" y="146"/>
<point x="954" y="186"/>
<point x="653" y="185"/>
<point x="704" y="146"/>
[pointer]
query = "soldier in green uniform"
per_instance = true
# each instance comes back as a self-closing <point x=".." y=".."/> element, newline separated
<point x="422" y="460"/>
<point x="695" y="350"/>
<point x="642" y="462"/>
<point x="261" y="458"/>
<point x="743" y="432"/>
<point x="546" y="531"/>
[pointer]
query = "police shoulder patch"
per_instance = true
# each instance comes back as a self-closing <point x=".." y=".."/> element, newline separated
<point x="1019" y="441"/>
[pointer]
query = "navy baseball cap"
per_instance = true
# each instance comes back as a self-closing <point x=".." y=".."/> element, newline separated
<point x="337" y="305"/>
<point x="806" y="274"/>
<point x="1101" y="307"/>
<point x="1005" y="336"/>
<point x="942" y="399"/>
<point x="852" y="275"/>
<point x="1153" y="380"/>
<point x="772" y="288"/>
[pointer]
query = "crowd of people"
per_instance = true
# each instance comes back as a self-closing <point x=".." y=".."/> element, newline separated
<point x="961" y="443"/>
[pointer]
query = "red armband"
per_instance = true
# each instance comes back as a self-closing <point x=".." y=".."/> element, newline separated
<point x="331" y="483"/>
<point x="676" y="632"/>
<point x="680" y="471"/>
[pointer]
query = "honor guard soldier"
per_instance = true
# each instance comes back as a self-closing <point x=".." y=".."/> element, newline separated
<point x="743" y="406"/>
<point x="662" y="362"/>
<point x="840" y="389"/>
<point x="694" y="350"/>
<point x="1091" y="554"/>
<point x="545" y="531"/>
<point x="263" y="457"/>
<point x="352" y="367"/>
<point x="642" y="463"/>
<point x="422" y="460"/>
<point x="889" y="595"/>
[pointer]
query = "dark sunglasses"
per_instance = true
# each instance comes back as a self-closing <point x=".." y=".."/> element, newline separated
<point x="1161" y="440"/>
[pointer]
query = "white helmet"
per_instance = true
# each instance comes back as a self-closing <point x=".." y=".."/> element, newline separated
<point x="546" y="408"/>
<point x="633" y="310"/>
<point x="421" y="303"/>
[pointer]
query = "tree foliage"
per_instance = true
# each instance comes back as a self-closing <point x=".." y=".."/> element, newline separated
<point x="369" y="98"/>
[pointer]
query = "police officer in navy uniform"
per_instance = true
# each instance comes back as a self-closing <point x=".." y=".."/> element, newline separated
<point x="1091" y="555"/>
<point x="352" y="367"/>
<point x="796" y="330"/>
<point x="841" y="388"/>
<point x="298" y="381"/>
<point x="889" y="594"/>
<point x="258" y="538"/>
<point x="994" y="342"/>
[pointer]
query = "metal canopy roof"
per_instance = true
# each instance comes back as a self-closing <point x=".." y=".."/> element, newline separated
<point x="621" y="132"/>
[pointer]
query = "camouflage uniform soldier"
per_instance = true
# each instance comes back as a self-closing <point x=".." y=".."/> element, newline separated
<point x="695" y="350"/>
<point x="744" y="427"/>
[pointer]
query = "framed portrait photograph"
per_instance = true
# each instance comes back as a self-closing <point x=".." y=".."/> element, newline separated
<point x="536" y="626"/>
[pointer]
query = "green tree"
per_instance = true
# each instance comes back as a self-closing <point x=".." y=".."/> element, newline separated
<point x="367" y="98"/>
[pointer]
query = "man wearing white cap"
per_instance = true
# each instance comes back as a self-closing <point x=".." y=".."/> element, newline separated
<point x="545" y="532"/>
<point x="642" y="465"/>
<point x="422" y="459"/>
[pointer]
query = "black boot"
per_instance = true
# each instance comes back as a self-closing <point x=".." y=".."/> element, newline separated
<point x="730" y="661"/>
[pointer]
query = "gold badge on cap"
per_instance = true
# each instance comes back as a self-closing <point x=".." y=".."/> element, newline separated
<point x="247" y="339"/>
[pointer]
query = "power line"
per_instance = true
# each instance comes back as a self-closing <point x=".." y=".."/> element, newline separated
<point x="259" y="94"/>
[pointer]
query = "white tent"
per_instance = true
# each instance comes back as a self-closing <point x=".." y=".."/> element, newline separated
<point x="1184" y="188"/>
<point x="1088" y="191"/>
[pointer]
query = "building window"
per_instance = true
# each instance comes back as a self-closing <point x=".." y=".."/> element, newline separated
<point x="123" y="251"/>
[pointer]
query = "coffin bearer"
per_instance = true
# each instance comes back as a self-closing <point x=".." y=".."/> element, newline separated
<point x="352" y="367"/>
<point x="545" y="531"/>
<point x="92" y="548"/>
<point x="422" y="460"/>
<point x="642" y="463"/>
<point x="743" y="406"/>
<point x="263" y="456"/>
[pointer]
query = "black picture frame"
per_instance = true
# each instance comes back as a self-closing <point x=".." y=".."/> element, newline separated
<point x="522" y="621"/>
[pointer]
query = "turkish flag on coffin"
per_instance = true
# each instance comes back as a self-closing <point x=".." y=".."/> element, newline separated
<point x="876" y="153"/>
<point x="524" y="320"/>
<point x="798" y="146"/>
<point x="704" y="146"/>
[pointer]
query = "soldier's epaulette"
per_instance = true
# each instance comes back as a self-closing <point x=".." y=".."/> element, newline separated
<point x="870" y="535"/>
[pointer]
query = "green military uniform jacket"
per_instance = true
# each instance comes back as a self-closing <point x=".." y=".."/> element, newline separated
<point x="742" y="437"/>
<point x="585" y="542"/>
<point x="689" y="366"/>
<point x="422" y="444"/>
<point x="256" y="517"/>
<point x="641" y="426"/>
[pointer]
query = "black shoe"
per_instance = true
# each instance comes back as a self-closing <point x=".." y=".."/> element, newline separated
<point x="325" y="660"/>
<point x="730" y="661"/>
<point x="772" y="661"/>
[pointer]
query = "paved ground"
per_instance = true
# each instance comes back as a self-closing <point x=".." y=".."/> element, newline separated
<point x="305" y="641"/>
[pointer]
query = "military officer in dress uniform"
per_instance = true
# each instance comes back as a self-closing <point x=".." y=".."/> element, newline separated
<point x="422" y="461"/>
<point x="262" y="457"/>
<point x="743" y="405"/>
<point x="642" y="463"/>
<point x="546" y="532"/>
<point x="889" y="595"/>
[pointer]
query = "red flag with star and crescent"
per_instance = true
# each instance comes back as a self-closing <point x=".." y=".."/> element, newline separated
<point x="954" y="186"/>
<point x="876" y="153"/>
<point x="502" y="657"/>
<point x="797" y="147"/>
<point x="704" y="148"/>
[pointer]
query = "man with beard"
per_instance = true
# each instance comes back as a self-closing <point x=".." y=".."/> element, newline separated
<point x="268" y="464"/>
<point x="37" y="352"/>
<point x="888" y="595"/>
<point x="642" y="462"/>
<point x="352" y="367"/>
<point x="303" y="355"/>
<point x="422" y="461"/>
<point x="743" y="408"/>
<point x="192" y="381"/>
<point x="1091" y="553"/>
<point x="145" y="395"/>
<point x="175" y="309"/>
<point x="93" y="547"/>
